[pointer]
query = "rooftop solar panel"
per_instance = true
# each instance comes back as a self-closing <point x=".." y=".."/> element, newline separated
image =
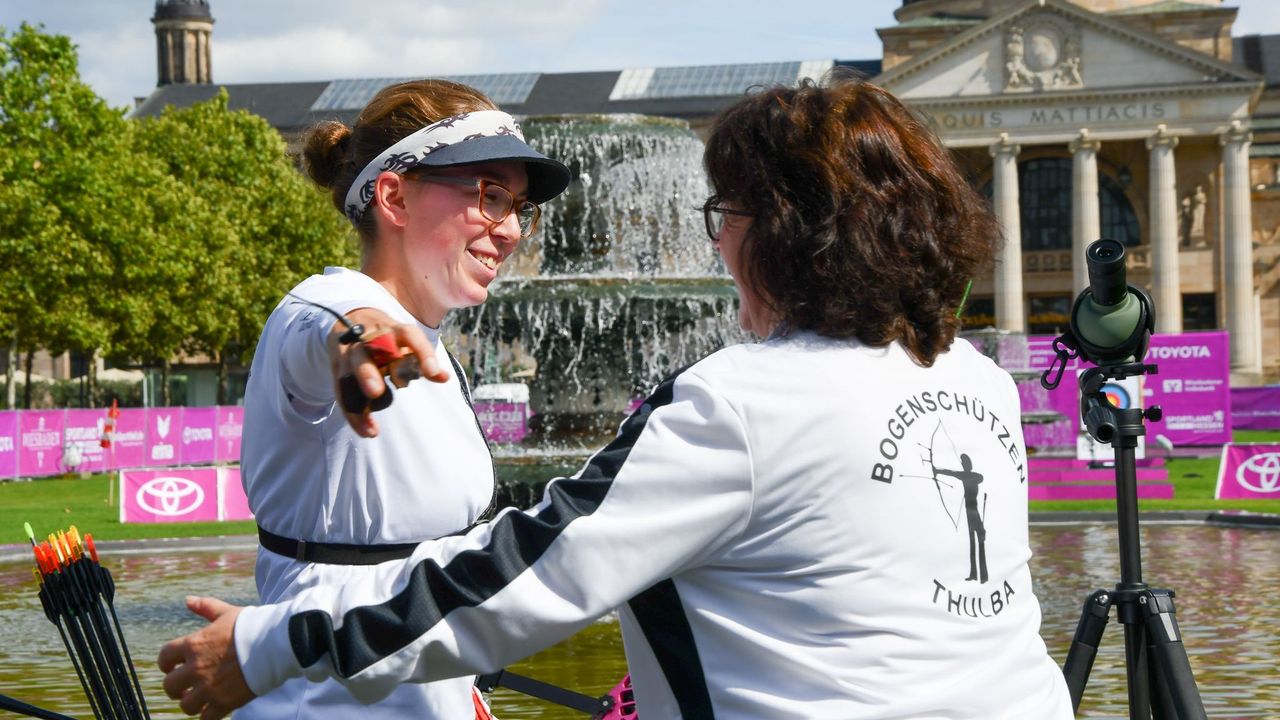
<point x="353" y="94"/>
<point x="711" y="80"/>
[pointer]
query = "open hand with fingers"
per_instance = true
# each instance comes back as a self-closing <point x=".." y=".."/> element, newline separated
<point x="201" y="670"/>
<point x="367" y="349"/>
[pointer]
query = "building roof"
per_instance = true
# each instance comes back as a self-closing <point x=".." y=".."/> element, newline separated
<point x="683" y="92"/>
<point x="1259" y="53"/>
<point x="938" y="21"/>
<point x="1167" y="6"/>
<point x="182" y="10"/>
<point x="287" y="106"/>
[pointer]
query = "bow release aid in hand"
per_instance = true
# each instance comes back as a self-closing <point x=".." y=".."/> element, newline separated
<point x="395" y="364"/>
<point x="392" y="361"/>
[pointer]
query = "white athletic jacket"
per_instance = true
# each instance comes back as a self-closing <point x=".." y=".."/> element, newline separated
<point x="308" y="476"/>
<point x="801" y="528"/>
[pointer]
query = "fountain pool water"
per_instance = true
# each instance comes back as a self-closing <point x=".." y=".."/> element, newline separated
<point x="1226" y="578"/>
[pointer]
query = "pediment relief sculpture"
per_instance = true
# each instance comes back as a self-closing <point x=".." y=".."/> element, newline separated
<point x="1043" y="53"/>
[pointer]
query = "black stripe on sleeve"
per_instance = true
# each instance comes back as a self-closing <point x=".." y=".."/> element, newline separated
<point x="662" y="619"/>
<point x="517" y="540"/>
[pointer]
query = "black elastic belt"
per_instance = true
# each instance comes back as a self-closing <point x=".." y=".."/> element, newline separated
<point x="333" y="553"/>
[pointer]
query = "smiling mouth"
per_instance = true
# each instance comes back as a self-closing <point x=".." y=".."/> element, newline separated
<point x="487" y="260"/>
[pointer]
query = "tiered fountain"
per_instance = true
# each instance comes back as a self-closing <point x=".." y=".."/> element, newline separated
<point x="619" y="287"/>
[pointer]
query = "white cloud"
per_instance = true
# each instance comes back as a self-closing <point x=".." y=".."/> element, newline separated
<point x="119" y="62"/>
<point x="1258" y="16"/>
<point x="293" y="40"/>
<point x="403" y="39"/>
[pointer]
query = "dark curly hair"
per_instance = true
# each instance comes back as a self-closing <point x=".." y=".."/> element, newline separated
<point x="863" y="225"/>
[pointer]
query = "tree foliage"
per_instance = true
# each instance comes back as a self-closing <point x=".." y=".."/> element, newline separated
<point x="263" y="226"/>
<point x="143" y="238"/>
<point x="58" y="137"/>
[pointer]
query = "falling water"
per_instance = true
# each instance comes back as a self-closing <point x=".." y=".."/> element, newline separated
<point x="619" y="287"/>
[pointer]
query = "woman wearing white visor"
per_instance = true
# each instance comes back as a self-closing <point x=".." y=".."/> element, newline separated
<point x="441" y="188"/>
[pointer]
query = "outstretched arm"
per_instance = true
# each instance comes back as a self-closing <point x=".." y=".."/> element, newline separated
<point x="672" y="490"/>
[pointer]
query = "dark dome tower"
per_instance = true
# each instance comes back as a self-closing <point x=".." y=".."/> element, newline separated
<point x="183" y="30"/>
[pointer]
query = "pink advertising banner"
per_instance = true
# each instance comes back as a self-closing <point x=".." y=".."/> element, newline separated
<point x="169" y="495"/>
<point x="40" y="442"/>
<point x="164" y="437"/>
<point x="1256" y="408"/>
<point x="503" y="422"/>
<point x="198" y="435"/>
<point x="129" y="447"/>
<point x="1249" y="471"/>
<point x="1192" y="386"/>
<point x="83" y="430"/>
<point x="234" y="504"/>
<point x="8" y="444"/>
<point x="230" y="428"/>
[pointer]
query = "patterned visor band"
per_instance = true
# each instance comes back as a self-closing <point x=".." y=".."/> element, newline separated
<point x="416" y="148"/>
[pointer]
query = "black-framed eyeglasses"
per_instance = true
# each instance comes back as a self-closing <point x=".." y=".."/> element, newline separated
<point x="496" y="202"/>
<point x="713" y="216"/>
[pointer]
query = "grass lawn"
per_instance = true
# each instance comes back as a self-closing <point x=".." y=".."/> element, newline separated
<point x="1194" y="480"/>
<point x="51" y="504"/>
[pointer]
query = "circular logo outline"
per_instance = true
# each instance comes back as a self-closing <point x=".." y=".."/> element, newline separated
<point x="170" y="491"/>
<point x="1267" y="468"/>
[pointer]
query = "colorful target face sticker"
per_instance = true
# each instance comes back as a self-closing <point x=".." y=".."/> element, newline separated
<point x="1117" y="395"/>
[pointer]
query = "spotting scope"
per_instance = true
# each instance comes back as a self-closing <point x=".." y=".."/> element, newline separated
<point x="1111" y="320"/>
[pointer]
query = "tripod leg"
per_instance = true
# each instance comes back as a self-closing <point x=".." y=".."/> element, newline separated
<point x="1084" y="647"/>
<point x="1137" y="668"/>
<point x="1162" y="707"/>
<point x="1173" y="677"/>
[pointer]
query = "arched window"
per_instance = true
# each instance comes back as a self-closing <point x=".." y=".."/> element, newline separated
<point x="1044" y="196"/>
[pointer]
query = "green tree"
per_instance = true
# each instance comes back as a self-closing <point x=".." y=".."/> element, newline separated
<point x="141" y="239"/>
<point x="61" y="140"/>
<point x="262" y="225"/>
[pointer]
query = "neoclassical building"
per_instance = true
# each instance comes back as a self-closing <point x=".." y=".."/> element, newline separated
<point x="1129" y="120"/>
<point x="1145" y="121"/>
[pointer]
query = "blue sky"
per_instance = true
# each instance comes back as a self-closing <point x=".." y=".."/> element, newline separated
<point x="288" y="40"/>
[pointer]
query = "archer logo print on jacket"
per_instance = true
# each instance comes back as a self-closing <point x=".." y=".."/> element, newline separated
<point x="964" y="450"/>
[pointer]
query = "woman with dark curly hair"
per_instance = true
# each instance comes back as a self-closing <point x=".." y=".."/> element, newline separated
<point x="860" y="224"/>
<point x="779" y="525"/>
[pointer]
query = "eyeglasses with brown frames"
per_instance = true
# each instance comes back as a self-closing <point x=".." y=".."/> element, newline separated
<point x="496" y="202"/>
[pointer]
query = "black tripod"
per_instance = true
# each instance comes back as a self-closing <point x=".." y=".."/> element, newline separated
<point x="1111" y="325"/>
<point x="1156" y="664"/>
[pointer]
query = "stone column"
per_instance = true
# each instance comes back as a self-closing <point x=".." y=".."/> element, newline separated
<point x="1237" y="249"/>
<point x="1010" y="314"/>
<point x="1166" y="289"/>
<point x="1085" y="223"/>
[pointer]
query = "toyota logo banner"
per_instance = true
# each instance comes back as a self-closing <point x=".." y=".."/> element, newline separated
<point x="1249" y="471"/>
<point x="181" y="495"/>
<point x="1193" y="388"/>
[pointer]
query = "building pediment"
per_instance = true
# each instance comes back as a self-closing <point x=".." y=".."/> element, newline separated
<point x="1050" y="47"/>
